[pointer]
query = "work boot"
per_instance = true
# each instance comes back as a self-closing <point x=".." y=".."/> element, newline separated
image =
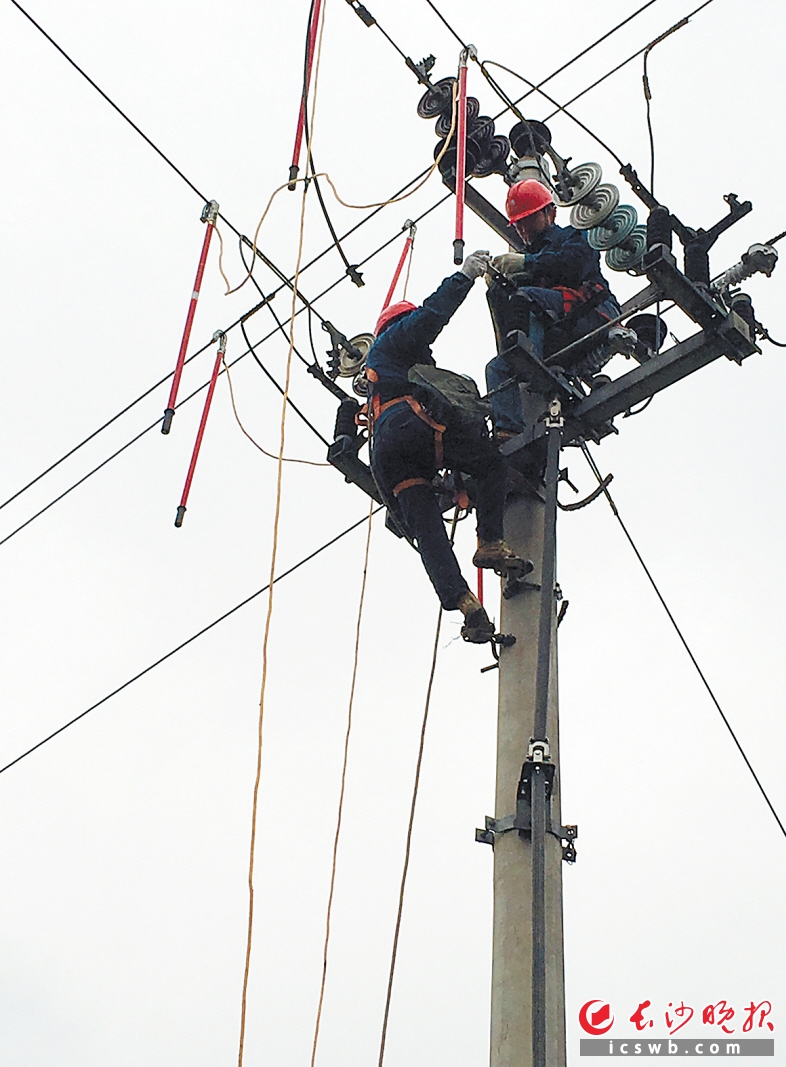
<point x="499" y="557"/>
<point x="478" y="627"/>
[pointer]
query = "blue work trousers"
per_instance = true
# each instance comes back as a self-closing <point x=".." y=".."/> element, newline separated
<point x="403" y="448"/>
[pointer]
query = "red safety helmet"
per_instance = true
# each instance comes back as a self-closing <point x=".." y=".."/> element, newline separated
<point x="393" y="311"/>
<point x="527" y="197"/>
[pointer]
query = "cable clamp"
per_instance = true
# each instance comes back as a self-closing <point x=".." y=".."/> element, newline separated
<point x="363" y="13"/>
<point x="470" y="52"/>
<point x="554" y="418"/>
<point x="538" y="761"/>
<point x="421" y="70"/>
<point x="221" y="337"/>
<point x="210" y="212"/>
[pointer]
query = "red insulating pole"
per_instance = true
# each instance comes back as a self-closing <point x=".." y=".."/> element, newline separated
<point x="480" y="585"/>
<point x="397" y="274"/>
<point x="221" y="337"/>
<point x="301" y="120"/>
<point x="209" y="215"/>
<point x="461" y="156"/>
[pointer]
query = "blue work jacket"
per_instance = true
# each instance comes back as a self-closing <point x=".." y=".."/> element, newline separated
<point x="561" y="255"/>
<point x="408" y="340"/>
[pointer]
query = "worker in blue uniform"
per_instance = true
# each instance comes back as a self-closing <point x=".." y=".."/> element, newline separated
<point x="409" y="446"/>
<point x="555" y="293"/>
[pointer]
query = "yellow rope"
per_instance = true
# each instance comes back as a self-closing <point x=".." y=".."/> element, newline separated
<point x="273" y="555"/>
<point x="329" y="180"/>
<point x="272" y="455"/>
<point x="342" y="791"/>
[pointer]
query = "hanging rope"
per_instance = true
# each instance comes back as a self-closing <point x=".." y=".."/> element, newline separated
<point x="340" y="813"/>
<point x="355" y="207"/>
<point x="269" y="615"/>
<point x="271" y="455"/>
<point x="413" y="806"/>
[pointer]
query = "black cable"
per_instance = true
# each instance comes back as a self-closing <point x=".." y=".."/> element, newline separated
<point x="442" y="19"/>
<point x="765" y="334"/>
<point x="350" y="270"/>
<point x="673" y="621"/>
<point x="188" y="641"/>
<point x="280" y="388"/>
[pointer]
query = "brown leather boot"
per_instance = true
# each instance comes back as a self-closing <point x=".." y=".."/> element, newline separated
<point x="499" y="557"/>
<point x="478" y="627"/>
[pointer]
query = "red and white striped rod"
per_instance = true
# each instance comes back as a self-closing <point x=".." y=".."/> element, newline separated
<point x="397" y="273"/>
<point x="301" y="121"/>
<point x="209" y="215"/>
<point x="461" y="153"/>
<point x="221" y="337"/>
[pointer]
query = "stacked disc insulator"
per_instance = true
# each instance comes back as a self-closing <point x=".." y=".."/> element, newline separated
<point x="487" y="151"/>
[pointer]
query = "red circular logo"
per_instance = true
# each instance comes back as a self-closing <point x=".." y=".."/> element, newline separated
<point x="597" y="1022"/>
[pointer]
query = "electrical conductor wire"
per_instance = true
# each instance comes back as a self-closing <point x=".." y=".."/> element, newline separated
<point x="189" y="640"/>
<point x="593" y="466"/>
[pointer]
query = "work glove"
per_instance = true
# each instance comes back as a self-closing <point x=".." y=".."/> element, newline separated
<point x="510" y="263"/>
<point x="475" y="264"/>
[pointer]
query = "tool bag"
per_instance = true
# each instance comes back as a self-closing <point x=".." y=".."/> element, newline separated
<point x="450" y="398"/>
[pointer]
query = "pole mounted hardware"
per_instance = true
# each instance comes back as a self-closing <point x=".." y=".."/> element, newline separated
<point x="538" y="756"/>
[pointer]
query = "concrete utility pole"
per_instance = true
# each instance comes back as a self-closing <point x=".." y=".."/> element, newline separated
<point x="527" y="983"/>
<point x="528" y="990"/>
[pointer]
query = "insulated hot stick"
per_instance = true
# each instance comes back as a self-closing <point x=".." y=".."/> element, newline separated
<point x="397" y="273"/>
<point x="221" y="337"/>
<point x="461" y="153"/>
<point x="312" y="39"/>
<point x="209" y="215"/>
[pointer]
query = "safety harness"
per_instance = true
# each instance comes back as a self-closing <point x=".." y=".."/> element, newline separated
<point x="371" y="412"/>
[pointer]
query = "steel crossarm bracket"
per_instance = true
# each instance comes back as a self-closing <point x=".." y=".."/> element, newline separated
<point x="661" y="268"/>
<point x="591" y="418"/>
<point x="486" y="211"/>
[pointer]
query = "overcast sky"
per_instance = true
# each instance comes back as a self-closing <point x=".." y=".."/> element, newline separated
<point x="125" y="840"/>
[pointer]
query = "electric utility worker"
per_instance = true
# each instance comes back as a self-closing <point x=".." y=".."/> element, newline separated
<point x="557" y="295"/>
<point x="409" y="446"/>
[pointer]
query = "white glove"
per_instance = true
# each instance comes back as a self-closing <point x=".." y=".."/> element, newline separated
<point x="475" y="264"/>
<point x="510" y="263"/>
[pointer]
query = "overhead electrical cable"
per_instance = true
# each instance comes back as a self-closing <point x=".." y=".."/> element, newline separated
<point x="188" y="641"/>
<point x="604" y="485"/>
<point x="342" y="792"/>
<point x="535" y="88"/>
<point x="320" y="255"/>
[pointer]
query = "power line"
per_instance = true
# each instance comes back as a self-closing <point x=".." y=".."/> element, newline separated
<point x="204" y="385"/>
<point x="588" y="456"/>
<point x="188" y="641"/>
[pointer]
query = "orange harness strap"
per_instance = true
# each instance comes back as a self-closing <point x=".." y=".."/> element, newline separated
<point x="408" y="483"/>
<point x="377" y="408"/>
